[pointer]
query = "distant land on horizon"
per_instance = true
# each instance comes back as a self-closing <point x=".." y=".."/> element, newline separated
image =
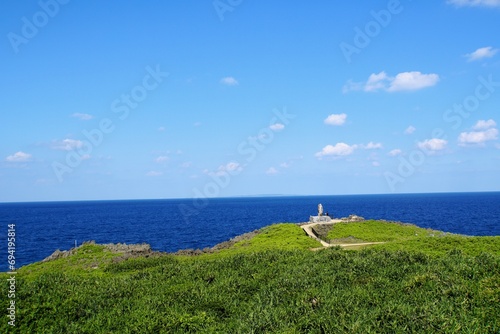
<point x="255" y="196"/>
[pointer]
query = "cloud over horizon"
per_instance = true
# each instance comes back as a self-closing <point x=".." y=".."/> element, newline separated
<point x="484" y="131"/>
<point x="404" y="81"/>
<point x="67" y="144"/>
<point x="339" y="149"/>
<point x="83" y="117"/>
<point x="336" y="119"/>
<point x="475" y="3"/>
<point x="481" y="53"/>
<point x="343" y="149"/>
<point x="229" y="81"/>
<point x="19" y="157"/>
<point x="277" y="127"/>
<point x="271" y="171"/>
<point x="409" y="130"/>
<point x="395" y="152"/>
<point x="434" y="144"/>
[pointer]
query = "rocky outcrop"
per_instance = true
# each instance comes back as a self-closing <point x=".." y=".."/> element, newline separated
<point x="222" y="245"/>
<point x="352" y="218"/>
<point x="124" y="249"/>
<point x="320" y="219"/>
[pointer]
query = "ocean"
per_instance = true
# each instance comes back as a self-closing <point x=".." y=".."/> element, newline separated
<point x="170" y="225"/>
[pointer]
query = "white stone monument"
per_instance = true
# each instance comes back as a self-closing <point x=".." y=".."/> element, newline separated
<point x="320" y="217"/>
<point x="320" y="210"/>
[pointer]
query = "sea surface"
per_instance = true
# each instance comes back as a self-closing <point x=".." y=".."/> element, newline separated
<point x="170" y="225"/>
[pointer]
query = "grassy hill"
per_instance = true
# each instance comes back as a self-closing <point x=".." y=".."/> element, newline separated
<point x="418" y="281"/>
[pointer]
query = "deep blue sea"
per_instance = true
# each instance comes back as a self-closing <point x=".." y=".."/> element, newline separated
<point x="170" y="225"/>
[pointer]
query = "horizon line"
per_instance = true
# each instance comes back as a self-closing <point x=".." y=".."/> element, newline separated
<point x="248" y="196"/>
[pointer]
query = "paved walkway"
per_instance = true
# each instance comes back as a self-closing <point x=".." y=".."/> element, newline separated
<point x="308" y="229"/>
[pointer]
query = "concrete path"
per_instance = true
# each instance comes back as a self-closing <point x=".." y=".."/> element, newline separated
<point x="308" y="229"/>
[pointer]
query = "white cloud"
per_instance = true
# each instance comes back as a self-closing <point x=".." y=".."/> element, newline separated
<point x="477" y="137"/>
<point x="231" y="168"/>
<point x="83" y="117"/>
<point x="154" y="173"/>
<point x="484" y="131"/>
<point x="434" y="144"/>
<point x="376" y="82"/>
<point x="19" y="157"/>
<point x="343" y="149"/>
<point x="335" y="119"/>
<point x="285" y="165"/>
<point x="339" y="149"/>
<point x="372" y="146"/>
<point x="229" y="81"/>
<point x="67" y="144"/>
<point x="271" y="171"/>
<point x="375" y="164"/>
<point x="352" y="86"/>
<point x="412" y="81"/>
<point x="277" y="127"/>
<point x="404" y="81"/>
<point x="161" y="158"/>
<point x="409" y="130"/>
<point x="186" y="164"/>
<point x="484" y="125"/>
<point x="474" y="3"/>
<point x="395" y="152"/>
<point x="481" y="53"/>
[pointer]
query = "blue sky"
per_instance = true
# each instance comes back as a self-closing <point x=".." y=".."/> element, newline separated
<point x="171" y="99"/>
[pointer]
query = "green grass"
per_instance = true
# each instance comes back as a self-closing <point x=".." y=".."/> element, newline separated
<point x="89" y="259"/>
<point x="277" y="236"/>
<point x="409" y="237"/>
<point x="375" y="231"/>
<point x="272" y="283"/>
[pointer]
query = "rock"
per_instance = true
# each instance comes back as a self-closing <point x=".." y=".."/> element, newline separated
<point x="56" y="255"/>
<point x="352" y="218"/>
<point x="317" y="219"/>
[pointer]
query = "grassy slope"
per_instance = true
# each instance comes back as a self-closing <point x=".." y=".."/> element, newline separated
<point x="412" y="238"/>
<point x="277" y="236"/>
<point x="89" y="259"/>
<point x="270" y="284"/>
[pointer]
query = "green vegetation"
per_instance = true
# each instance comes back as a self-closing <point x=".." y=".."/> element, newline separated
<point x="398" y="236"/>
<point x="375" y="230"/>
<point x="272" y="283"/>
<point x="88" y="259"/>
<point x="278" y="236"/>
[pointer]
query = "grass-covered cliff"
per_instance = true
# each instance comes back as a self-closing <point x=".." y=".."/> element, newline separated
<point x="418" y="281"/>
